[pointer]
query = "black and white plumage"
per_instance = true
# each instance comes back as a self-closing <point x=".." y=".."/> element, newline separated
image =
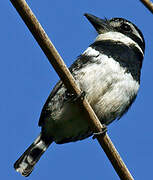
<point x="108" y="72"/>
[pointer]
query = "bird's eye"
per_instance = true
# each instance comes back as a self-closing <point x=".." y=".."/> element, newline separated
<point x="126" y="27"/>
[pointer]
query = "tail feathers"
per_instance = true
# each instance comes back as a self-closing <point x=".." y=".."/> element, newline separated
<point x="31" y="156"/>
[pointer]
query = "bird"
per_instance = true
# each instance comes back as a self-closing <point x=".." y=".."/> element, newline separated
<point x="107" y="72"/>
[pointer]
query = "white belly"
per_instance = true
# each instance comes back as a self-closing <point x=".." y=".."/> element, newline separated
<point x="109" y="90"/>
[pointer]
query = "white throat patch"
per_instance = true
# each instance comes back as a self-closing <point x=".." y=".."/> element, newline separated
<point x="117" y="36"/>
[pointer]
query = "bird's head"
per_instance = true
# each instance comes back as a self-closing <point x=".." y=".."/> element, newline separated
<point x="116" y="26"/>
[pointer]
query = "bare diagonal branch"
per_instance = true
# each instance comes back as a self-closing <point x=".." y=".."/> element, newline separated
<point x="148" y="4"/>
<point x="63" y="72"/>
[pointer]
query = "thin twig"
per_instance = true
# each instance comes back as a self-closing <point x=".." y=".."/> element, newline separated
<point x="148" y="4"/>
<point x="68" y="80"/>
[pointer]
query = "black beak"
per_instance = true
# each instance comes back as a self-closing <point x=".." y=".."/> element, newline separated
<point x="99" y="24"/>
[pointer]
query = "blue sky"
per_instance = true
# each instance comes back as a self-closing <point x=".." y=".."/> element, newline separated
<point x="27" y="78"/>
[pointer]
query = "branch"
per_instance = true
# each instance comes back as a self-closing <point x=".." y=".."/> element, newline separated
<point x="148" y="4"/>
<point x="69" y="82"/>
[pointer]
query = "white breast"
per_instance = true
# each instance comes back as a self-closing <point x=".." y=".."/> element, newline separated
<point x="108" y="87"/>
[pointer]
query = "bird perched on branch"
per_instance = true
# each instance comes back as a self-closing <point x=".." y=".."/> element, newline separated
<point x="108" y="72"/>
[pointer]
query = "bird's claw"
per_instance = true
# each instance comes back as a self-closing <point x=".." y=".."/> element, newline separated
<point x="102" y="132"/>
<point x="72" y="97"/>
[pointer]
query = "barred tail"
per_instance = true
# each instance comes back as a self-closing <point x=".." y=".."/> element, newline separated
<point x="30" y="157"/>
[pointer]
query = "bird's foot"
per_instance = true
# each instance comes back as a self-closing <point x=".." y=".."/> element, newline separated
<point x="80" y="96"/>
<point x="102" y="132"/>
<point x="73" y="98"/>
